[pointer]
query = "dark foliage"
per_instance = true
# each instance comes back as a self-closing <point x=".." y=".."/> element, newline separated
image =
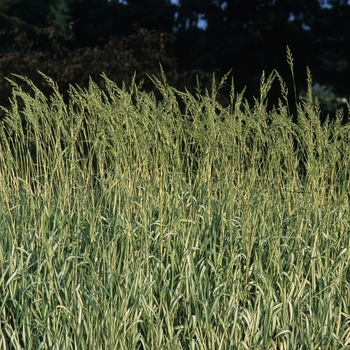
<point x="70" y="40"/>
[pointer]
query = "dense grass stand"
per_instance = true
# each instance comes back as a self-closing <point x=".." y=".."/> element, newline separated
<point x="116" y="234"/>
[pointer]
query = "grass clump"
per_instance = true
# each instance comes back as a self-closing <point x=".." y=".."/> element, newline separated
<point x="132" y="223"/>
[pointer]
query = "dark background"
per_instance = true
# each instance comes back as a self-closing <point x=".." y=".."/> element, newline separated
<point x="71" y="40"/>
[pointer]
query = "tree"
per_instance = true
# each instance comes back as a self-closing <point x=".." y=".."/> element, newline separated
<point x="31" y="12"/>
<point x="59" y="12"/>
<point x="247" y="35"/>
<point x="97" y="21"/>
<point x="332" y="37"/>
<point x="152" y="14"/>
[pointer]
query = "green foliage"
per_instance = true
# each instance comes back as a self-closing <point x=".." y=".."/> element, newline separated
<point x="132" y="223"/>
<point x="60" y="13"/>
<point x="6" y="4"/>
<point x="31" y="12"/>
